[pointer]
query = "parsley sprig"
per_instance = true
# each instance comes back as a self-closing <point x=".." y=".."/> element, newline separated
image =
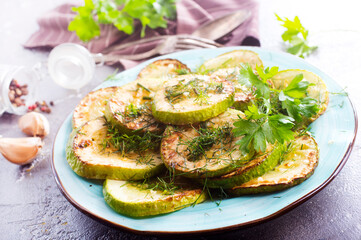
<point x="296" y="37"/>
<point x="261" y="127"/>
<point x="274" y="112"/>
<point x="295" y="101"/>
<point x="123" y="14"/>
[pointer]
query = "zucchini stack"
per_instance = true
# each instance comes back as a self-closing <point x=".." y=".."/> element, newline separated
<point x="162" y="141"/>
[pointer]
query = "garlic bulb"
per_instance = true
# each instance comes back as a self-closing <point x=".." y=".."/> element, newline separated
<point x="20" y="150"/>
<point x="34" y="124"/>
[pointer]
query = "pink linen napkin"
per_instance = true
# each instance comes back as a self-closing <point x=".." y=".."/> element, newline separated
<point x="190" y="15"/>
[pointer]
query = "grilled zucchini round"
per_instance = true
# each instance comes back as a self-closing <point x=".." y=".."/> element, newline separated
<point x="242" y="94"/>
<point x="230" y="60"/>
<point x="298" y="165"/>
<point x="129" y="110"/>
<point x="90" y="157"/>
<point x="262" y="163"/>
<point x="204" y="151"/>
<point x="163" y="68"/>
<point x="139" y="199"/>
<point x="92" y="105"/>
<point x="192" y="98"/>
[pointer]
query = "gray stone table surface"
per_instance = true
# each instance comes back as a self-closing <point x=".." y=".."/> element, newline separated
<point x="32" y="206"/>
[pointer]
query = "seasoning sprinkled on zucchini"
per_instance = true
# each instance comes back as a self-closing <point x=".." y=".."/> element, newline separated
<point x="192" y="98"/>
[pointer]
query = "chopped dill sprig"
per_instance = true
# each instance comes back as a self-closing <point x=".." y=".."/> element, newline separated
<point x="130" y="143"/>
<point x="182" y="71"/>
<point x="133" y="111"/>
<point x="145" y="88"/>
<point x="167" y="187"/>
<point x="197" y="88"/>
<point x="145" y="160"/>
<point x="207" y="137"/>
<point x="166" y="184"/>
<point x="112" y="76"/>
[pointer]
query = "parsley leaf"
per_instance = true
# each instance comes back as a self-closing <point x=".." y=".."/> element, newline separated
<point x="281" y="128"/>
<point x="296" y="37"/>
<point x="250" y="79"/>
<point x="295" y="101"/>
<point x="259" y="128"/>
<point x="247" y="129"/>
<point x="122" y="14"/>
<point x="83" y="23"/>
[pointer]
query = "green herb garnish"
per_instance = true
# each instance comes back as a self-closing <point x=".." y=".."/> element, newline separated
<point x="112" y="76"/>
<point x="182" y="71"/>
<point x="167" y="187"/>
<point x="143" y="87"/>
<point x="295" y="101"/>
<point x="125" y="143"/>
<point x="207" y="137"/>
<point x="121" y="14"/>
<point x="197" y="88"/>
<point x="296" y="37"/>
<point x="274" y="113"/>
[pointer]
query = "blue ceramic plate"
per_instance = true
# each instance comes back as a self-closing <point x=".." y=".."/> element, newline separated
<point x="334" y="131"/>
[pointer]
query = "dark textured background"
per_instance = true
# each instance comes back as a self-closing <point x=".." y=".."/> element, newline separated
<point x="32" y="207"/>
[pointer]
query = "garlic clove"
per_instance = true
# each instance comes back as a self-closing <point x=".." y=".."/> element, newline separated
<point x="34" y="124"/>
<point x="20" y="150"/>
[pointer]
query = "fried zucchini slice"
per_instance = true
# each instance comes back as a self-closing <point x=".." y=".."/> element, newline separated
<point x="242" y="94"/>
<point x="129" y="109"/>
<point x="204" y="151"/>
<point x="92" y="105"/>
<point x="155" y="74"/>
<point x="163" y="68"/>
<point x="262" y="163"/>
<point x="143" y="199"/>
<point x="298" y="165"/>
<point x="230" y="60"/>
<point x="192" y="98"/>
<point x="318" y="91"/>
<point x="89" y="157"/>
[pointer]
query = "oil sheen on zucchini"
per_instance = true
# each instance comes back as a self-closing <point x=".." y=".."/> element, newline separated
<point x="90" y="158"/>
<point x="92" y="105"/>
<point x="192" y="98"/>
<point x="206" y="150"/>
<point x="298" y="165"/>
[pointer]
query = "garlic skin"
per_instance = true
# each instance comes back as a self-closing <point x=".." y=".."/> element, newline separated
<point x="20" y="150"/>
<point x="34" y="124"/>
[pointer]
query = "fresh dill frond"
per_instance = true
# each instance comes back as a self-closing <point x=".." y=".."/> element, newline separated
<point x="145" y="88"/>
<point x="197" y="147"/>
<point x="165" y="185"/>
<point x="142" y="112"/>
<point x="146" y="159"/>
<point x="181" y="71"/>
<point x="112" y="76"/>
<point x="196" y="88"/>
<point x="130" y="143"/>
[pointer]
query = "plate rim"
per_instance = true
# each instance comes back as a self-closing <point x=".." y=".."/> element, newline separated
<point x="274" y="215"/>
